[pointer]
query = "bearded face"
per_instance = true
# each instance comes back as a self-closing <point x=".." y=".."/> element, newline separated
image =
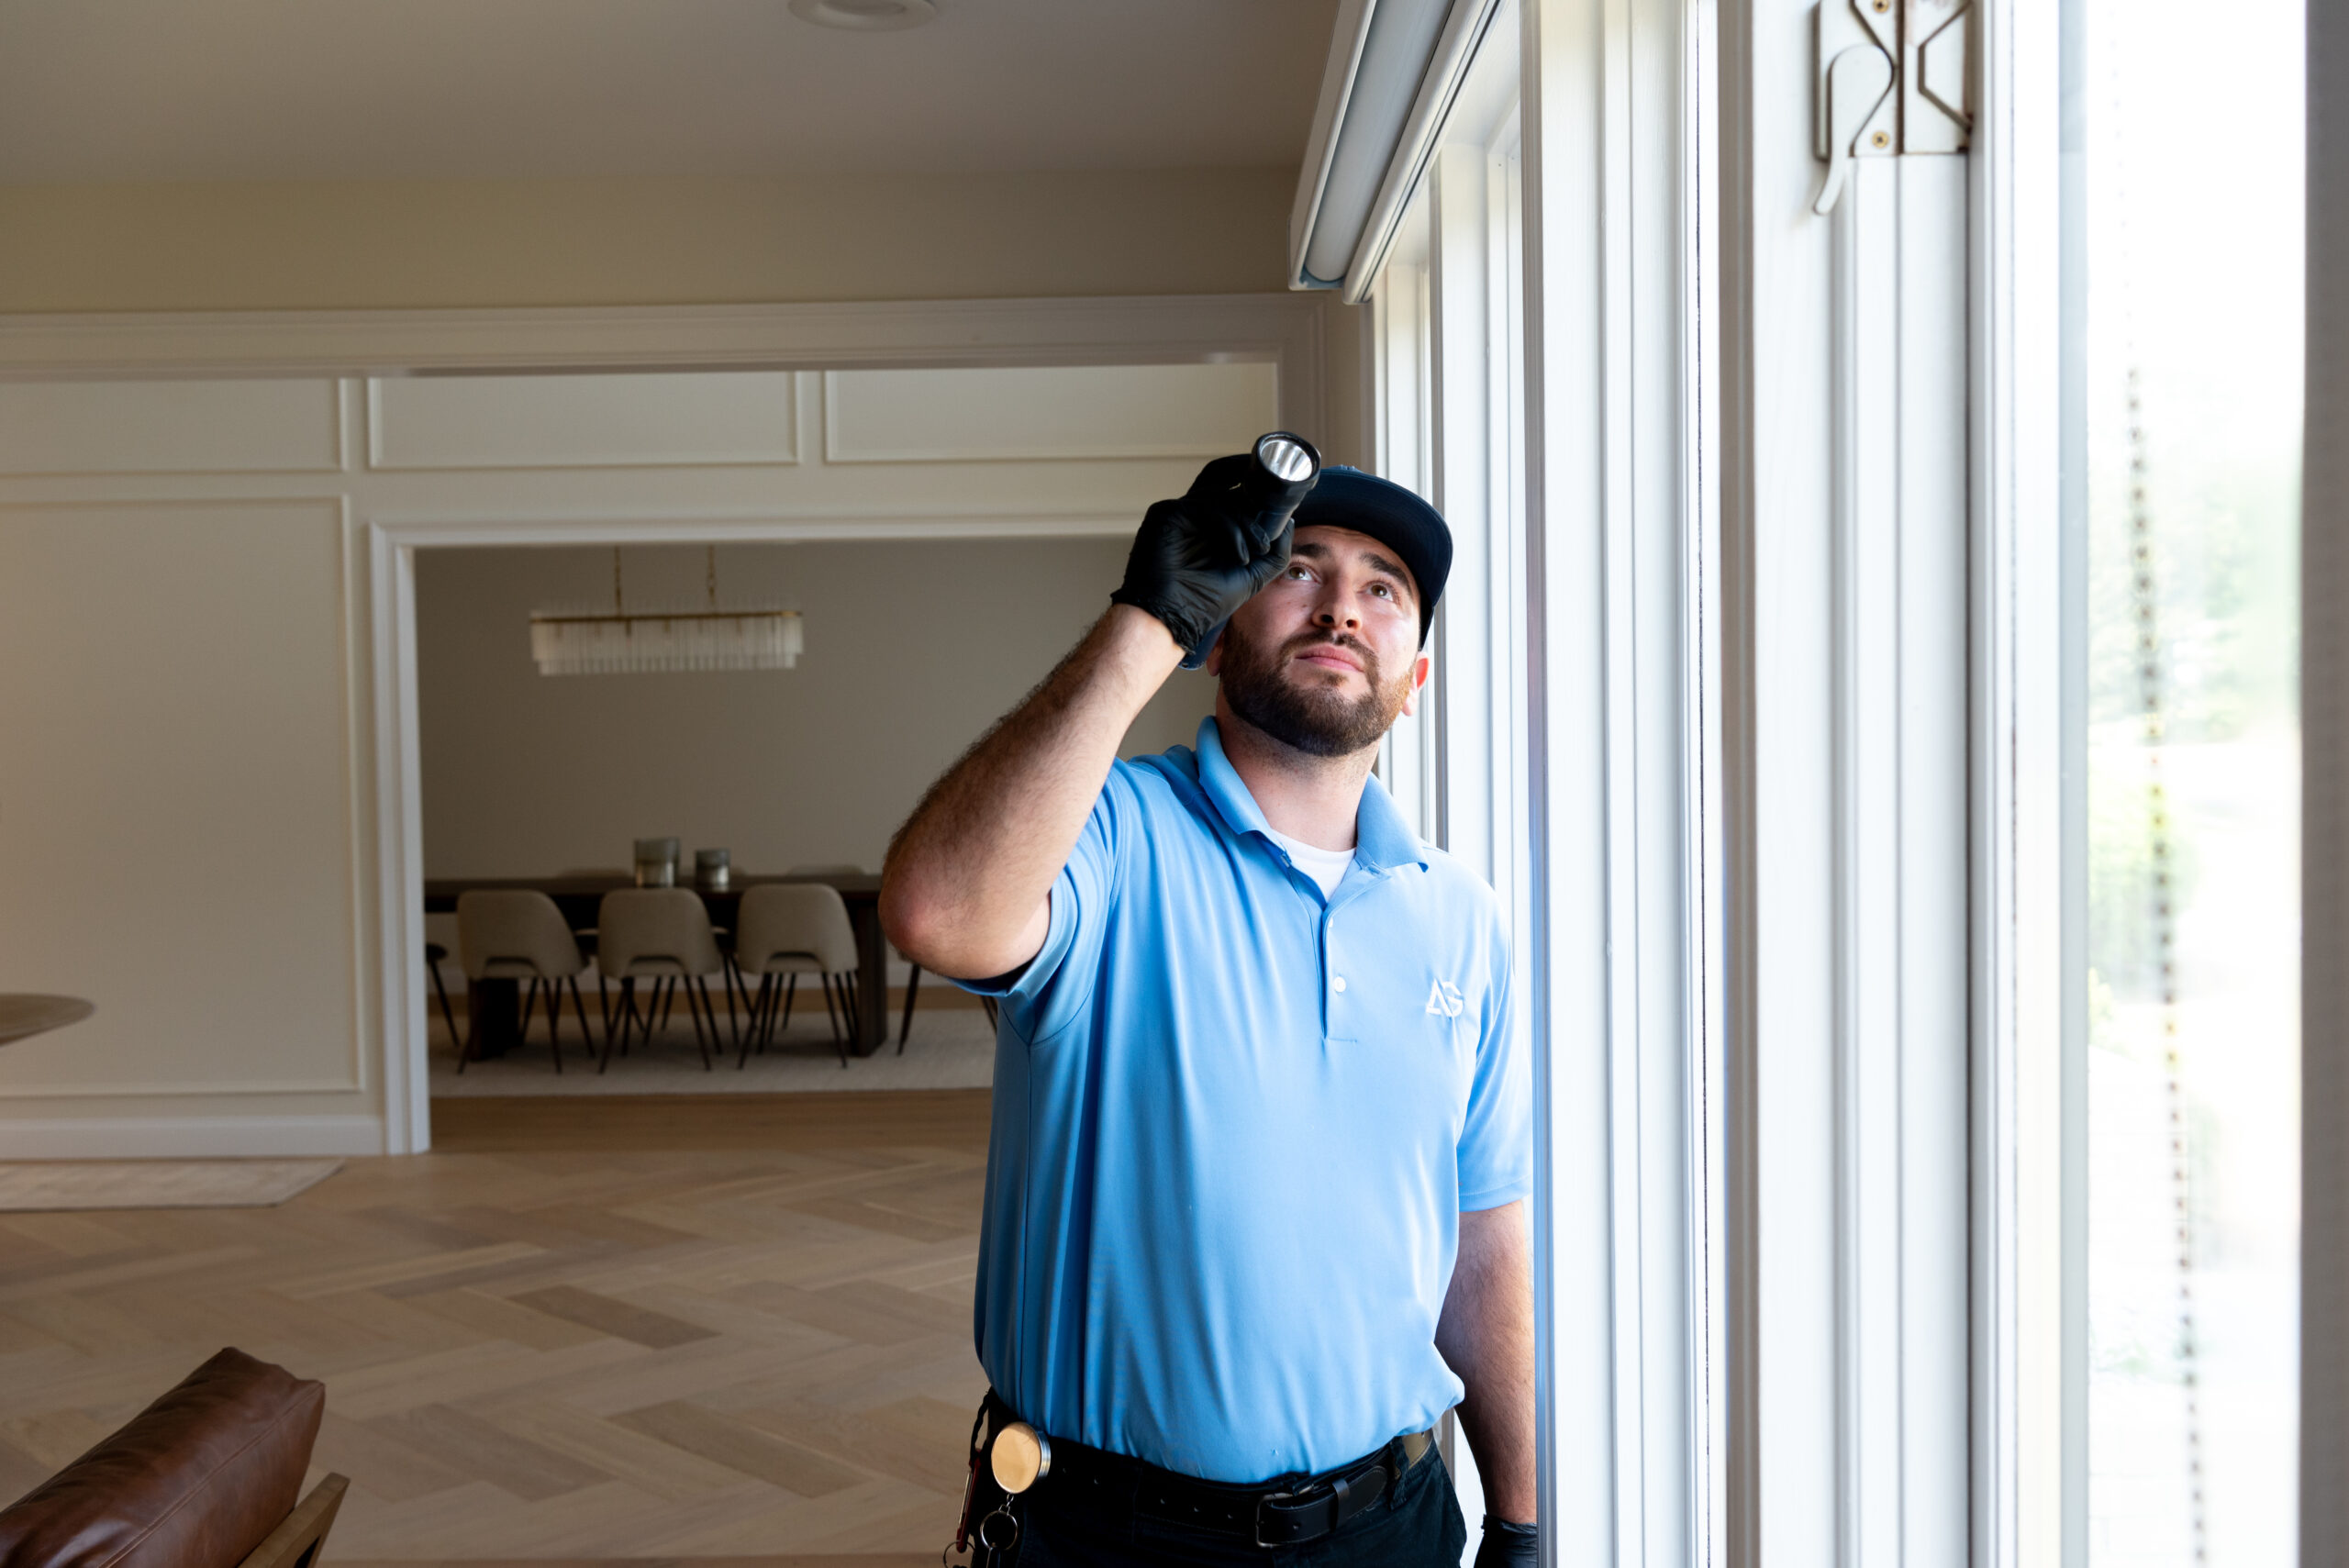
<point x="1305" y="705"/>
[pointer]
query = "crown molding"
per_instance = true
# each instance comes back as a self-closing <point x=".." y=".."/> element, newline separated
<point x="1125" y="330"/>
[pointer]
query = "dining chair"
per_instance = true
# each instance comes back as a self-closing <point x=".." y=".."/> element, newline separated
<point x="662" y="935"/>
<point x="588" y="935"/>
<point x="440" y="940"/>
<point x="913" y="978"/>
<point x="519" y="934"/>
<point x="784" y="930"/>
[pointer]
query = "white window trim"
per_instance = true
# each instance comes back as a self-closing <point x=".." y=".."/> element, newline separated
<point x="1620" y="738"/>
<point x="1410" y="762"/>
<point x="1567" y="752"/>
<point x="1840" y="1454"/>
<point x="1794" y="933"/>
<point x="2325" y="852"/>
<point x="2021" y="949"/>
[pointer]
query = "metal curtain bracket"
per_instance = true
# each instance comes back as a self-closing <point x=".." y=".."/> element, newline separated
<point x="1894" y="76"/>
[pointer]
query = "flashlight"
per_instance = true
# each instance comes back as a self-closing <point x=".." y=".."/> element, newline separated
<point x="1280" y="474"/>
<point x="1280" y="471"/>
<point x="1286" y="459"/>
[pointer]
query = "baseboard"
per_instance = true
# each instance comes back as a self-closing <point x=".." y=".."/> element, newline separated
<point x="187" y="1136"/>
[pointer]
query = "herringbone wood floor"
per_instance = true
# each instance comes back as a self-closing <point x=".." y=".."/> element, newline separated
<point x="733" y="1333"/>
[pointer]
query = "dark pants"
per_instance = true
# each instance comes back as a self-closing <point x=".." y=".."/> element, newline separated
<point x="1417" y="1525"/>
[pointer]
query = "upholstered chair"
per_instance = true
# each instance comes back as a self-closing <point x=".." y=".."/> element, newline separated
<point x="660" y="935"/>
<point x="787" y="930"/>
<point x="519" y="934"/>
<point x="913" y="976"/>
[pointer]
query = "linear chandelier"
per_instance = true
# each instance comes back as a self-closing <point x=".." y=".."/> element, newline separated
<point x="623" y="641"/>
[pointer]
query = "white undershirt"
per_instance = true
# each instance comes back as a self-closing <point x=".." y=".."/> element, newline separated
<point x="1327" y="867"/>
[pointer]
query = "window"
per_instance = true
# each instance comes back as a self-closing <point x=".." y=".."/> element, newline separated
<point x="1843" y="924"/>
<point x="1542" y="385"/>
<point x="2185" y="338"/>
<point x="1448" y="331"/>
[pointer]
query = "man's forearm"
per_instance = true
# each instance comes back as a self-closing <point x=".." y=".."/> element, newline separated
<point x="963" y="892"/>
<point x="1487" y="1335"/>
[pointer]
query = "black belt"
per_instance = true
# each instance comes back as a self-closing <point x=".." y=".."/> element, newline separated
<point x="1285" y="1511"/>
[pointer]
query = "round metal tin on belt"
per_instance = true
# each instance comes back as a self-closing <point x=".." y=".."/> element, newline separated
<point x="1022" y="1457"/>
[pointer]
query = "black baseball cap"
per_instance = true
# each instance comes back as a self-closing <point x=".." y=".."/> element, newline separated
<point x="1349" y="499"/>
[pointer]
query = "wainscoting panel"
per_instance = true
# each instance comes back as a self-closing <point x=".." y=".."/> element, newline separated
<point x="177" y="778"/>
<point x="632" y="420"/>
<point x="170" y="426"/>
<point x="1063" y="413"/>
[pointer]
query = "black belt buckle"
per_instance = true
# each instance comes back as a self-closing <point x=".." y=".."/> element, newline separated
<point x="1332" y="1497"/>
<point x="1267" y="1501"/>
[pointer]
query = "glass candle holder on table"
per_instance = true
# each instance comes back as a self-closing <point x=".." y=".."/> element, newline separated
<point x="656" y="862"/>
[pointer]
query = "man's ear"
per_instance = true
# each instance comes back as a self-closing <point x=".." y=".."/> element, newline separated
<point x="1214" y="665"/>
<point x="1422" y="668"/>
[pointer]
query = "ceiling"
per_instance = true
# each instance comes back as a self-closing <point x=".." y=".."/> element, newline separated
<point x="123" y="90"/>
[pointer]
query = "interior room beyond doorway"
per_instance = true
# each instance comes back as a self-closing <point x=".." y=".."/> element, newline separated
<point x="912" y="648"/>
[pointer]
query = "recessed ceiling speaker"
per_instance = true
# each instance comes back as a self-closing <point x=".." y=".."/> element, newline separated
<point x="865" y="16"/>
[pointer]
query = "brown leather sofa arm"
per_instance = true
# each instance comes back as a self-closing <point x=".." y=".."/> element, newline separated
<point x="193" y="1481"/>
<point x="296" y="1542"/>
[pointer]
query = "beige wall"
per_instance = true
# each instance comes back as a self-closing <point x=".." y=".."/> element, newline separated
<point x="914" y="648"/>
<point x="353" y="245"/>
<point x="180" y="822"/>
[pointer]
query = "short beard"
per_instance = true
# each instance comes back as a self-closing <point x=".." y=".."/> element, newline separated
<point x="1312" y="719"/>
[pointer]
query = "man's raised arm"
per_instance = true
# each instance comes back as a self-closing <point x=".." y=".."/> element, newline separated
<point x="965" y="889"/>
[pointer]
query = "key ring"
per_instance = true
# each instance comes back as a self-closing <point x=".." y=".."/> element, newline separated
<point x="1010" y="1529"/>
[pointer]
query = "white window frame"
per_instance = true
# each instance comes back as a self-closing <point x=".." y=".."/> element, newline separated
<point x="1606" y="637"/>
<point x="2022" y="950"/>
<point x="1790" y="922"/>
<point x="1626" y="830"/>
<point x="2324" y="676"/>
<point x="1402" y="432"/>
<point x="1447" y="321"/>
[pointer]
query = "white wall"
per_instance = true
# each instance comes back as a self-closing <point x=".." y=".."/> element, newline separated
<point x="206" y="786"/>
<point x="914" y="648"/>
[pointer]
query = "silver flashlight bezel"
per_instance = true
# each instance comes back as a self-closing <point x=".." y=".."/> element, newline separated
<point x="1286" y="457"/>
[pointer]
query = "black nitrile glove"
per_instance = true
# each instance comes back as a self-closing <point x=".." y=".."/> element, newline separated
<point x="1196" y="559"/>
<point x="1506" y="1545"/>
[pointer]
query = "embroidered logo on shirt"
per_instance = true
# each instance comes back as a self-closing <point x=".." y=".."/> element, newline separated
<point x="1444" y="999"/>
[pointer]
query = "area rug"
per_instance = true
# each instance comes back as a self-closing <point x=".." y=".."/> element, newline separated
<point x="156" y="1183"/>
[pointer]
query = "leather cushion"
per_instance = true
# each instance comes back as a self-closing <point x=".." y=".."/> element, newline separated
<point x="195" y="1481"/>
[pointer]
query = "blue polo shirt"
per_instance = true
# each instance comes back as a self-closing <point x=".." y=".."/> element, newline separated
<point x="1235" y="1125"/>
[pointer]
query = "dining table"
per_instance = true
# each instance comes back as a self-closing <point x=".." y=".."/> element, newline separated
<point x="25" y="1014"/>
<point x="496" y="1004"/>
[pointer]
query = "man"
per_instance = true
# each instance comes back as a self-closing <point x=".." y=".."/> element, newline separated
<point x="1256" y="1188"/>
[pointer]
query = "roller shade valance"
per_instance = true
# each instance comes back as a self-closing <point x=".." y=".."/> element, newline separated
<point x="1395" y="69"/>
